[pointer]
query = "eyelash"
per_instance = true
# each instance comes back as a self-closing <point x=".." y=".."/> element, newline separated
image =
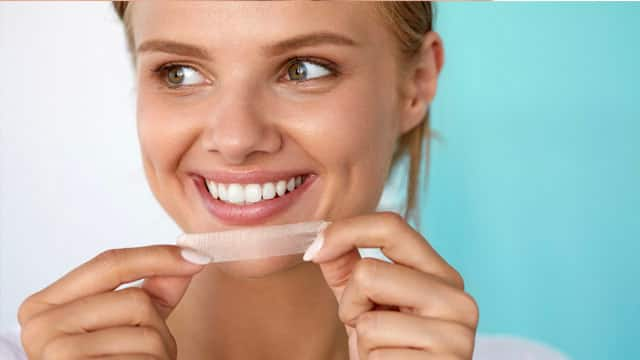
<point x="161" y="71"/>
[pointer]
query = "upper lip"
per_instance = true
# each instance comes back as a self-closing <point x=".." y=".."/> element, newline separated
<point x="249" y="177"/>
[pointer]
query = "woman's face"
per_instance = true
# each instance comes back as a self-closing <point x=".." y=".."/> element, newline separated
<point x="240" y="101"/>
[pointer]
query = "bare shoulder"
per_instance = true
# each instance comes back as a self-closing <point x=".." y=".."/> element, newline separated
<point x="10" y="346"/>
<point x="507" y="347"/>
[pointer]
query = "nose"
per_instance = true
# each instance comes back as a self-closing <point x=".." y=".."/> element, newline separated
<point x="235" y="128"/>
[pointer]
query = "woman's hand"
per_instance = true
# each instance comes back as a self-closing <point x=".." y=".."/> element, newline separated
<point x="414" y="308"/>
<point x="80" y="316"/>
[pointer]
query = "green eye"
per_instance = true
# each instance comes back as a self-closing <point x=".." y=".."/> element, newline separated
<point x="176" y="75"/>
<point x="300" y="70"/>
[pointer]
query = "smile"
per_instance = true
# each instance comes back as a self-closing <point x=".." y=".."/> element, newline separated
<point x="253" y="193"/>
<point x="253" y="197"/>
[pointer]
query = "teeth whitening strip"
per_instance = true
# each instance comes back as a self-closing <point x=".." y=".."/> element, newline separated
<point x="254" y="242"/>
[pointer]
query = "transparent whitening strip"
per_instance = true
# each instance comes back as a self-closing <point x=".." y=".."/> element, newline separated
<point x="254" y="242"/>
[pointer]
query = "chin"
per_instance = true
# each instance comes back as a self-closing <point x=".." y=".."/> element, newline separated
<point x="259" y="268"/>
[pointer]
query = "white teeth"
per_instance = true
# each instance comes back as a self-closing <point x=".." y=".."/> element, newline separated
<point x="268" y="191"/>
<point x="235" y="193"/>
<point x="222" y="192"/>
<point x="213" y="189"/>
<point x="252" y="193"/>
<point x="281" y="187"/>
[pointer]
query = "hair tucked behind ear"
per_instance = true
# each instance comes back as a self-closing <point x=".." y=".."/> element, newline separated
<point x="409" y="21"/>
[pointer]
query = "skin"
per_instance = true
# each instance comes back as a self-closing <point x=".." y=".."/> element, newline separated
<point x="244" y="113"/>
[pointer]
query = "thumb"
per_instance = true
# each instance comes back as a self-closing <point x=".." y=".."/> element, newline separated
<point x="337" y="272"/>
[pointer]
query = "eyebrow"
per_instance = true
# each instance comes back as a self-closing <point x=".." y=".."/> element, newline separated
<point x="305" y="40"/>
<point x="173" y="47"/>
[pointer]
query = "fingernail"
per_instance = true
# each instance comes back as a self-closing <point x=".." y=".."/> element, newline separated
<point x="314" y="248"/>
<point x="195" y="257"/>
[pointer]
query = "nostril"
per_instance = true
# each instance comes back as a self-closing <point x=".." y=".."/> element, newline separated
<point x="239" y="137"/>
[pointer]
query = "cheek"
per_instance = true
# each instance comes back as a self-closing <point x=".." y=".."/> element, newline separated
<point x="362" y="154"/>
<point x="351" y="134"/>
<point x="165" y="131"/>
<point x="164" y="135"/>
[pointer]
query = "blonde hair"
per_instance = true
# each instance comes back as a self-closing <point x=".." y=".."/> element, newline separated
<point x="409" y="21"/>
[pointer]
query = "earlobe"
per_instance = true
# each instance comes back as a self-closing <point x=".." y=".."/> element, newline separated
<point x="422" y="81"/>
<point x="416" y="111"/>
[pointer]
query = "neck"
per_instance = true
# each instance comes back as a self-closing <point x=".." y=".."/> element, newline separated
<point x="288" y="315"/>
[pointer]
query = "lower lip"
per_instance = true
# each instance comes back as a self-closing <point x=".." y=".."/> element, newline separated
<point x="252" y="213"/>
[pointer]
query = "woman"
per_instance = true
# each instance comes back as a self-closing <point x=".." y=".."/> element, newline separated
<point x="233" y="100"/>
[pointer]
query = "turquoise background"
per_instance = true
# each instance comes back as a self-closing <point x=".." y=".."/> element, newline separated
<point x="533" y="192"/>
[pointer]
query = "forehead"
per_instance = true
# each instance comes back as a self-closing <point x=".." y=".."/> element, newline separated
<point x="232" y="24"/>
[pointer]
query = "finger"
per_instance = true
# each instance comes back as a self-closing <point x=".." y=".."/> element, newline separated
<point x="396" y="239"/>
<point x="338" y="271"/>
<point x="378" y="282"/>
<point x="392" y="329"/>
<point x="109" y="270"/>
<point x="407" y="354"/>
<point x="166" y="291"/>
<point x="111" y="341"/>
<point x="126" y="307"/>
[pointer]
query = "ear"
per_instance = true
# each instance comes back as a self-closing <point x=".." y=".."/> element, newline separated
<point x="421" y="81"/>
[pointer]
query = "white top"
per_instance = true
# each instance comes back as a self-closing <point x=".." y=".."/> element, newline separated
<point x="488" y="347"/>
